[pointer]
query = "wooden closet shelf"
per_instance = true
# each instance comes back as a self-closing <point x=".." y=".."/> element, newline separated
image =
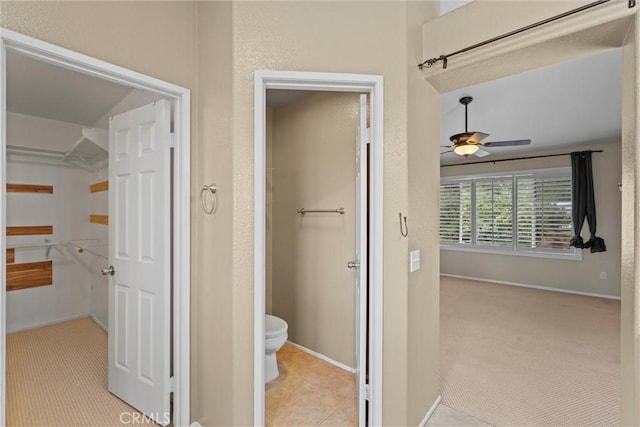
<point x="100" y="186"/>
<point x="99" y="219"/>
<point x="11" y="256"/>
<point x="29" y="188"/>
<point x="29" y="230"/>
<point x="29" y="275"/>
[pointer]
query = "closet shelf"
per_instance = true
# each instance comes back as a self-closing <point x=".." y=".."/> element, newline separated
<point x="90" y="152"/>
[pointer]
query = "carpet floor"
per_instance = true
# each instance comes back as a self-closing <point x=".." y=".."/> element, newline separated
<point x="524" y="357"/>
<point x="57" y="376"/>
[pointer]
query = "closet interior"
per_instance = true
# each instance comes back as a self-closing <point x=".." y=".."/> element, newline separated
<point x="57" y="191"/>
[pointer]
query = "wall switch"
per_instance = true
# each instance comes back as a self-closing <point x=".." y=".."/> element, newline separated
<point x="603" y="275"/>
<point x="414" y="263"/>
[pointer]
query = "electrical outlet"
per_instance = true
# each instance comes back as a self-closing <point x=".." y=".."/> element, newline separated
<point x="603" y="275"/>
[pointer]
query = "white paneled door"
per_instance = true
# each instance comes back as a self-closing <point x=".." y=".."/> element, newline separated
<point x="139" y="237"/>
<point x="361" y="264"/>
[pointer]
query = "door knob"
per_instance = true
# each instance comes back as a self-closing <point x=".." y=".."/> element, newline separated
<point x="353" y="264"/>
<point x="108" y="271"/>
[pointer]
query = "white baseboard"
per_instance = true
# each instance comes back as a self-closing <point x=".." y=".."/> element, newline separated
<point x="47" y="323"/>
<point x="99" y="323"/>
<point x="322" y="356"/>
<point x="524" y="285"/>
<point x="430" y="412"/>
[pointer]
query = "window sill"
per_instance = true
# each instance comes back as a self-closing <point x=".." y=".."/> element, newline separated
<point x="576" y="256"/>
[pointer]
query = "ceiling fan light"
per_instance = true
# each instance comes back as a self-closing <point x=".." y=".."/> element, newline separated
<point x="465" y="149"/>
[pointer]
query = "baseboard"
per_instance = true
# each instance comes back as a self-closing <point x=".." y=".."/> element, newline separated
<point x="99" y="323"/>
<point x="322" y="356"/>
<point x="430" y="412"/>
<point x="48" y="323"/>
<point x="524" y="285"/>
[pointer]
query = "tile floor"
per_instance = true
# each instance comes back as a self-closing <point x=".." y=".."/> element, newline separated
<point x="310" y="392"/>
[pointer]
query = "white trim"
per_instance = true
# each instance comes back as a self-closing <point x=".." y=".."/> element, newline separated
<point x="99" y="323"/>
<point x="181" y="98"/>
<point x="48" y="323"/>
<point x="430" y="412"/>
<point x="322" y="356"/>
<point x="524" y="285"/>
<point x="360" y="83"/>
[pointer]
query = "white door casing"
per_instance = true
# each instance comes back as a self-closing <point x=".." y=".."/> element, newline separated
<point x="139" y="236"/>
<point x="361" y="258"/>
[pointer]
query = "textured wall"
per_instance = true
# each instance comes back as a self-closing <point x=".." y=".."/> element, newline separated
<point x="313" y="164"/>
<point x="572" y="275"/>
<point x="353" y="37"/>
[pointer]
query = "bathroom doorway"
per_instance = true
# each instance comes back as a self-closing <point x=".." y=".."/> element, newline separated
<point x="318" y="266"/>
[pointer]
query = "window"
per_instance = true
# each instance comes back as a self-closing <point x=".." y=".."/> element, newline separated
<point x="526" y="213"/>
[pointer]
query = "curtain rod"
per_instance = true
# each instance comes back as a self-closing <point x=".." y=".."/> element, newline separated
<point x="428" y="63"/>
<point x="515" y="158"/>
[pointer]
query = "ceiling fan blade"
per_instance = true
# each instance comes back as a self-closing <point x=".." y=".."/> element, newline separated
<point x="477" y="137"/>
<point x="445" y="152"/>
<point x="507" y="143"/>
<point x="481" y="153"/>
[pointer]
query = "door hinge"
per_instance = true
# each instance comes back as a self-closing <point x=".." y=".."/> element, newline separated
<point x="632" y="3"/>
<point x="172" y="385"/>
<point x="172" y="140"/>
<point x="367" y="392"/>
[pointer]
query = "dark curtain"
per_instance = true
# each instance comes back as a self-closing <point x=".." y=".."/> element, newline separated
<point x="583" y="202"/>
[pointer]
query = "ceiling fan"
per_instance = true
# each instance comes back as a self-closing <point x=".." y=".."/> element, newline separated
<point x="467" y="143"/>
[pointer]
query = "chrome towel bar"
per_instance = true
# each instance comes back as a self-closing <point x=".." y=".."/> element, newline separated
<point x="305" y="211"/>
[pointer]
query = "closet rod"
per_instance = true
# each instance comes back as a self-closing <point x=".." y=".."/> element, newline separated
<point x="428" y="63"/>
<point x="516" y="158"/>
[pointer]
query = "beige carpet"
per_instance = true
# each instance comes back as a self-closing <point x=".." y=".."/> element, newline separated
<point x="523" y="357"/>
<point x="57" y="376"/>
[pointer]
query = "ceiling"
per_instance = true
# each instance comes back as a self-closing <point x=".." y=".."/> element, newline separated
<point x="39" y="89"/>
<point x="564" y="105"/>
<point x="279" y="97"/>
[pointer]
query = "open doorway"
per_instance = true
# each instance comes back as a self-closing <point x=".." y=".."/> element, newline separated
<point x="622" y="31"/>
<point x="545" y="315"/>
<point x="279" y="131"/>
<point x="93" y="161"/>
<point x="311" y="223"/>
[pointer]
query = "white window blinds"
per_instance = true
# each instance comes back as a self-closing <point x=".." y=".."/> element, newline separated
<point x="528" y="212"/>
<point x="544" y="212"/>
<point x="455" y="212"/>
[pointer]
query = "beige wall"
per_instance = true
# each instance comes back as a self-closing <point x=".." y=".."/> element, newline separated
<point x="359" y="37"/>
<point x="213" y="48"/>
<point x="314" y="167"/>
<point x="213" y="246"/>
<point x="572" y="275"/>
<point x="423" y="310"/>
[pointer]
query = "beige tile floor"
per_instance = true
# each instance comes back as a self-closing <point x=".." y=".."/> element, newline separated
<point x="310" y="392"/>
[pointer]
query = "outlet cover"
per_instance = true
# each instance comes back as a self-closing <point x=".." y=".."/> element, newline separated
<point x="414" y="263"/>
<point x="603" y="275"/>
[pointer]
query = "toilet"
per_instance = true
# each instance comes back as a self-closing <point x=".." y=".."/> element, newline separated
<point x="275" y="337"/>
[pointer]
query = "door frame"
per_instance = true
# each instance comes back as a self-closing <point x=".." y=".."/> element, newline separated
<point x="335" y="82"/>
<point x="181" y="98"/>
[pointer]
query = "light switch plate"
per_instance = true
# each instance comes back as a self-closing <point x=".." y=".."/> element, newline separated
<point x="414" y="262"/>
